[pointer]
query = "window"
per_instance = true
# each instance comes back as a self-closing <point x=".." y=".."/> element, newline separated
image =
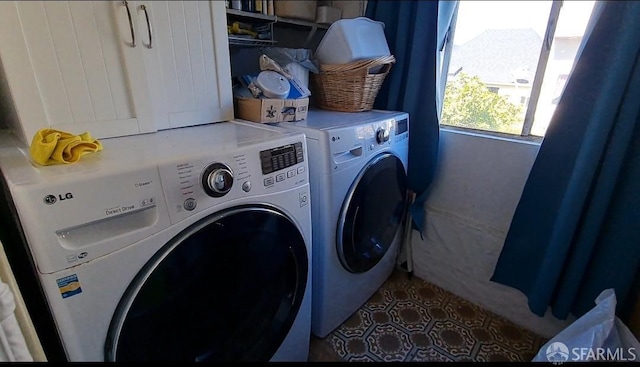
<point x="503" y="77"/>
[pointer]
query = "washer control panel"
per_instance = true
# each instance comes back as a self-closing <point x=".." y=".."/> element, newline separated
<point x="279" y="158"/>
<point x="197" y="183"/>
<point x="281" y="163"/>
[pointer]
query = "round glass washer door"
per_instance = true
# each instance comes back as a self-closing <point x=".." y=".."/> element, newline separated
<point x="372" y="213"/>
<point x="228" y="288"/>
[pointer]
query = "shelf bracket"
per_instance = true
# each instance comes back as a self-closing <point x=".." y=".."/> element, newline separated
<point x="312" y="32"/>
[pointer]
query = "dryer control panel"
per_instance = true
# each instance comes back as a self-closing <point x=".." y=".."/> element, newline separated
<point x="349" y="143"/>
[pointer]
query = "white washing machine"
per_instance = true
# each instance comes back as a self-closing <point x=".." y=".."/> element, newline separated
<point x="358" y="174"/>
<point x="190" y="244"/>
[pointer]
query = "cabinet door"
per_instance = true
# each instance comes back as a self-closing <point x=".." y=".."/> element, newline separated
<point x="188" y="63"/>
<point x="70" y="65"/>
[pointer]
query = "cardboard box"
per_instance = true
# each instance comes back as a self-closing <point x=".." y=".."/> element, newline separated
<point x="305" y="10"/>
<point x="327" y="14"/>
<point x="272" y="110"/>
<point x="349" y="8"/>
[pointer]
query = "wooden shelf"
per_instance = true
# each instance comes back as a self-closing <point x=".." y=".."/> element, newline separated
<point x="276" y="19"/>
<point x="243" y="41"/>
<point x="246" y="14"/>
<point x="302" y="23"/>
<point x="272" y="20"/>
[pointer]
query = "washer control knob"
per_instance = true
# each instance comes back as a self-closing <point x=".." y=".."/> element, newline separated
<point x="217" y="179"/>
<point x="382" y="135"/>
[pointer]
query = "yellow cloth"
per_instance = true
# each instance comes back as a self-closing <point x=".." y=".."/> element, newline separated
<point x="50" y="146"/>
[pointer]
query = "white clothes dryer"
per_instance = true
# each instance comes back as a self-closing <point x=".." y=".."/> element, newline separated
<point x="190" y="244"/>
<point x="358" y="176"/>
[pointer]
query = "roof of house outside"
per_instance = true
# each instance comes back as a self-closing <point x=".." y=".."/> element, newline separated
<point x="497" y="55"/>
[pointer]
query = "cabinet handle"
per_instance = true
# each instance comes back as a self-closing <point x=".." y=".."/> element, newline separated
<point x="133" y="36"/>
<point x="143" y="7"/>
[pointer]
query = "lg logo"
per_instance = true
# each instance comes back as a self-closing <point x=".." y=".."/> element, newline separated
<point x="51" y="199"/>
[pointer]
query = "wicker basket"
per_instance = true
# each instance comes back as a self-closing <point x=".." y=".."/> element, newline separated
<point x="350" y="87"/>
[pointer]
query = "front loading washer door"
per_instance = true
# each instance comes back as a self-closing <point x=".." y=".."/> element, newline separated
<point x="228" y="288"/>
<point x="372" y="213"/>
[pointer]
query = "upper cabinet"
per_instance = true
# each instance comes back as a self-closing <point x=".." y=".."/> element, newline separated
<point x="113" y="68"/>
<point x="187" y="59"/>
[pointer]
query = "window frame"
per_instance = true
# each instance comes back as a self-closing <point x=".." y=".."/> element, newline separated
<point x="552" y="21"/>
<point x="447" y="48"/>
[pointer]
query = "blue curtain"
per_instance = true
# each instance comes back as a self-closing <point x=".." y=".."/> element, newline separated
<point x="576" y="229"/>
<point x="412" y="32"/>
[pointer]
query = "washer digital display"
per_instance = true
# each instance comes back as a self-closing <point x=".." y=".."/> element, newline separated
<point x="275" y="159"/>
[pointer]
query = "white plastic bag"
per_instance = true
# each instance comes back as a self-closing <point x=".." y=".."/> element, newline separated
<point x="596" y="336"/>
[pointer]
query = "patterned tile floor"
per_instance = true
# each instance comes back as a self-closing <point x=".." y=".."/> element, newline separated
<point x="413" y="320"/>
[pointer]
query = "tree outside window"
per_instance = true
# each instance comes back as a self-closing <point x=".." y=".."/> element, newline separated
<point x="468" y="102"/>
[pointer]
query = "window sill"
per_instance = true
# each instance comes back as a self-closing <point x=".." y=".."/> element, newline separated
<point x="532" y="140"/>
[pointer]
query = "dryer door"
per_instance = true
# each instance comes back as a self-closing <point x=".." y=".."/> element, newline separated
<point x="372" y="213"/>
<point x="228" y="288"/>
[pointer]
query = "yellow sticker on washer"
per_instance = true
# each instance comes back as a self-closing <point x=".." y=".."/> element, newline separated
<point x="69" y="285"/>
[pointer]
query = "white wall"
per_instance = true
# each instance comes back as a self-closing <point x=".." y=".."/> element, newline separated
<point x="475" y="193"/>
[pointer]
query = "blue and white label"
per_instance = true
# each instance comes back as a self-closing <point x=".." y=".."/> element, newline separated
<point x="69" y="286"/>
